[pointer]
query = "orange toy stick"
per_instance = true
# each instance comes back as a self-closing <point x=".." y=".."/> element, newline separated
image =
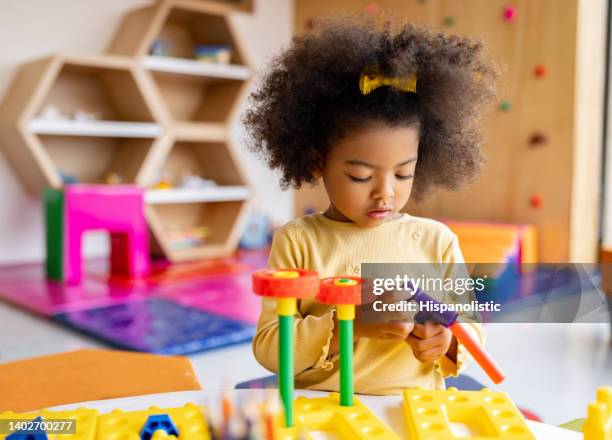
<point x="479" y="355"/>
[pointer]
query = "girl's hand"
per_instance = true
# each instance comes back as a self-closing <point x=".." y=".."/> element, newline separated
<point x="390" y="331"/>
<point x="431" y="341"/>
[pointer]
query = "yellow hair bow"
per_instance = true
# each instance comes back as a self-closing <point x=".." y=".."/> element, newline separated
<point x="372" y="79"/>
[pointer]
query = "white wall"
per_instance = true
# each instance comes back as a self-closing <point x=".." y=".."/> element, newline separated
<point x="30" y="29"/>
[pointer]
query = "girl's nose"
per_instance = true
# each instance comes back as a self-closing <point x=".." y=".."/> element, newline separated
<point x="383" y="190"/>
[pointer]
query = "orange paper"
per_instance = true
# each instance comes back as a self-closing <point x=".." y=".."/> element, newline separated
<point x="85" y="375"/>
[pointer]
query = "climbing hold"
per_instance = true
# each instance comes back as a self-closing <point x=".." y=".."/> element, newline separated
<point x="535" y="201"/>
<point x="310" y="23"/>
<point x="505" y="106"/>
<point x="448" y="21"/>
<point x="540" y="71"/>
<point x="509" y="13"/>
<point x="538" y="140"/>
<point x="372" y="8"/>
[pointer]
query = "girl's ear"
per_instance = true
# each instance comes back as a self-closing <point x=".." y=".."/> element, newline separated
<point x="317" y="173"/>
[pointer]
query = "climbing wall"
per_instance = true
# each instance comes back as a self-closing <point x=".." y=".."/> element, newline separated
<point x="544" y="136"/>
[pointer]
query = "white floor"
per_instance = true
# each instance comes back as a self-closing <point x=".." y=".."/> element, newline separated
<point x="552" y="369"/>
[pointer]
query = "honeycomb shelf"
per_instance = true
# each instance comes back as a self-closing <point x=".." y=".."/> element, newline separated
<point x="218" y="218"/>
<point x="192" y="90"/>
<point x="112" y="89"/>
<point x="136" y="114"/>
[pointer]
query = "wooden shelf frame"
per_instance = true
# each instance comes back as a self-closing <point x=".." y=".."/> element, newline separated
<point x="193" y="91"/>
<point x="221" y="208"/>
<point x="153" y="112"/>
<point x="40" y="150"/>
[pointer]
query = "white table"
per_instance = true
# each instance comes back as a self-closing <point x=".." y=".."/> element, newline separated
<point x="388" y="408"/>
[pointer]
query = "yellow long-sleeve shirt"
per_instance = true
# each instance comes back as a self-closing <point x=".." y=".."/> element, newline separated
<point x="334" y="248"/>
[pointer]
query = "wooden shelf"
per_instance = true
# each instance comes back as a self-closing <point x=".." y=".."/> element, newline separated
<point x="183" y="66"/>
<point x="90" y="159"/>
<point x="111" y="87"/>
<point x="224" y="220"/>
<point x="197" y="195"/>
<point x="150" y="113"/>
<point x="119" y="129"/>
<point x="192" y="91"/>
<point x="216" y="161"/>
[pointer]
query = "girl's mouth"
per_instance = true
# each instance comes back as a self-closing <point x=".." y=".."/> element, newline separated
<point x="378" y="214"/>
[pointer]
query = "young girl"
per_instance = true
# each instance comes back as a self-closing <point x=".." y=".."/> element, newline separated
<point x="379" y="116"/>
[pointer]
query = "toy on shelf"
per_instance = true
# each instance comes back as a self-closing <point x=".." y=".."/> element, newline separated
<point x="213" y="53"/>
<point x="487" y="414"/>
<point x="193" y="181"/>
<point x="286" y="286"/>
<point x="257" y="232"/>
<point x="52" y="112"/>
<point x="68" y="179"/>
<point x="113" y="178"/>
<point x="163" y="184"/>
<point x="180" y="238"/>
<point x="598" y="423"/>
<point x="161" y="47"/>
<point x="71" y="212"/>
<point x="84" y="115"/>
<point x="188" y="180"/>
<point x="345" y="294"/>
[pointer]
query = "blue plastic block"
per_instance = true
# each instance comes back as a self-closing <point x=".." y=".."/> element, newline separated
<point x="155" y="423"/>
<point x="158" y="325"/>
<point x="36" y="434"/>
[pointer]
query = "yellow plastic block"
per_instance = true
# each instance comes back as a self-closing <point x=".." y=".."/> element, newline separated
<point x="326" y="414"/>
<point x="486" y="414"/>
<point x="598" y="423"/>
<point x="189" y="420"/>
<point x="85" y="422"/>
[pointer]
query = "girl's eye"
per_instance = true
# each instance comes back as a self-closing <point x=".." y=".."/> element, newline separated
<point x="361" y="180"/>
<point x="409" y="176"/>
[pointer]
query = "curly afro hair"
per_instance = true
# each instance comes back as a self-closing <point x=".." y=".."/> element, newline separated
<point x="309" y="97"/>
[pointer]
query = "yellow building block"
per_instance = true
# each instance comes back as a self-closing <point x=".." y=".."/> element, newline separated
<point x="598" y="423"/>
<point x="121" y="425"/>
<point x="85" y="422"/>
<point x="325" y="414"/>
<point x="430" y="415"/>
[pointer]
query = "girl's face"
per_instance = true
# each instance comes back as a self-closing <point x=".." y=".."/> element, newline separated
<point x="369" y="173"/>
